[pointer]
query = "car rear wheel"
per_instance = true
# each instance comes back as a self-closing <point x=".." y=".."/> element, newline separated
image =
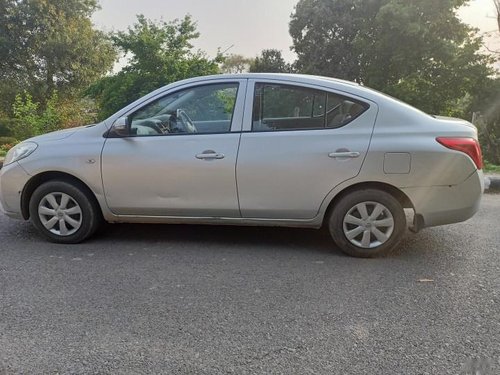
<point x="367" y="223"/>
<point x="63" y="212"/>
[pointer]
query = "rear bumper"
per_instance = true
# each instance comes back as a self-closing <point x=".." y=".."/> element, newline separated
<point x="441" y="205"/>
<point x="13" y="178"/>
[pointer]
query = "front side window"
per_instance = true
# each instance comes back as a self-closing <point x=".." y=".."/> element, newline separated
<point x="201" y="109"/>
<point x="284" y="107"/>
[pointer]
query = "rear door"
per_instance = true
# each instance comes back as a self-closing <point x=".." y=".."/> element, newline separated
<point x="298" y="143"/>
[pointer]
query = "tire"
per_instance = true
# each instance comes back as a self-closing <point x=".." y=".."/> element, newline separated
<point x="75" y="222"/>
<point x="358" y="233"/>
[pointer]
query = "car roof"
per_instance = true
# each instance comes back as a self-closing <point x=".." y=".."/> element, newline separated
<point x="283" y="76"/>
<point x="303" y="78"/>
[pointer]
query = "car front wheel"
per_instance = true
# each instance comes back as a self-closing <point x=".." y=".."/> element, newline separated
<point x="63" y="212"/>
<point x="367" y="223"/>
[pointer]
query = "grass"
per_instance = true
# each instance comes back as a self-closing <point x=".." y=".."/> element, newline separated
<point x="2" y="153"/>
<point x="491" y="168"/>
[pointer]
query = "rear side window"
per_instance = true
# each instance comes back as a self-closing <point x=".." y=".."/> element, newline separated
<point x="285" y="107"/>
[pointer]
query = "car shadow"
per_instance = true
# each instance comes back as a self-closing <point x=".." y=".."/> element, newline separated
<point x="250" y="237"/>
<point x="215" y="235"/>
<point x="427" y="245"/>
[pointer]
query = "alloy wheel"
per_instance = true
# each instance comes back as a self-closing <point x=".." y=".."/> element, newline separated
<point x="60" y="214"/>
<point x="368" y="225"/>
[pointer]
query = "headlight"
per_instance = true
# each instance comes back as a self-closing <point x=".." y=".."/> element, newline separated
<point x="19" y="152"/>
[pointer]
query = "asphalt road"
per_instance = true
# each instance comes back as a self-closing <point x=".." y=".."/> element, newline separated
<point x="212" y="300"/>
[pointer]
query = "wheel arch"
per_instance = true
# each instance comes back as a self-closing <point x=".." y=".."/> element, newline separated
<point x="402" y="198"/>
<point x="43" y="177"/>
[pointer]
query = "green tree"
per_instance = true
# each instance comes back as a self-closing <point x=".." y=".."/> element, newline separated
<point x="50" y="45"/>
<point x="233" y="64"/>
<point x="270" y="61"/>
<point x="159" y="53"/>
<point x="324" y="34"/>
<point x="418" y="50"/>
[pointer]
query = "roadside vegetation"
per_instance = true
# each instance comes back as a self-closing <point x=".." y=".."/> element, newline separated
<point x="491" y="168"/>
<point x="56" y="67"/>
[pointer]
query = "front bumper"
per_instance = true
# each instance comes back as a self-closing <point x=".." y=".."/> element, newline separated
<point x="13" y="178"/>
<point x="441" y="205"/>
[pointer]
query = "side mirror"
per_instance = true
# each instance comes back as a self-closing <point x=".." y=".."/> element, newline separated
<point x="120" y="128"/>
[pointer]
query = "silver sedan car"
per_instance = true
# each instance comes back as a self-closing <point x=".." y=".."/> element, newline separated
<point x="252" y="149"/>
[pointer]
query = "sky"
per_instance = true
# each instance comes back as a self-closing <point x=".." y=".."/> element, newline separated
<point x="244" y="26"/>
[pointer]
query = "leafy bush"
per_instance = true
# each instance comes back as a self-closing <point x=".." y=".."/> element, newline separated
<point x="32" y="121"/>
<point x="6" y="143"/>
<point x="6" y="147"/>
<point x="4" y="130"/>
<point x="487" y="119"/>
<point x="6" y="124"/>
<point x="7" y="140"/>
<point x="76" y="112"/>
<point x="491" y="168"/>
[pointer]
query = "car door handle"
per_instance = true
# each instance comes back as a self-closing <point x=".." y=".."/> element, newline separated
<point x="210" y="155"/>
<point x="344" y="154"/>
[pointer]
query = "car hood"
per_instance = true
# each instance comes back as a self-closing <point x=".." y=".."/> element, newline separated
<point x="57" y="135"/>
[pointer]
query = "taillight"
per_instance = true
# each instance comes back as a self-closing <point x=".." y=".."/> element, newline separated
<point x="469" y="146"/>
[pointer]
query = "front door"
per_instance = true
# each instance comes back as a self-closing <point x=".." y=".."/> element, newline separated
<point x="180" y="157"/>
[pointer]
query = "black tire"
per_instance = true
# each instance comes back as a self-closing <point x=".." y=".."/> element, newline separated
<point x="367" y="197"/>
<point x="90" y="216"/>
